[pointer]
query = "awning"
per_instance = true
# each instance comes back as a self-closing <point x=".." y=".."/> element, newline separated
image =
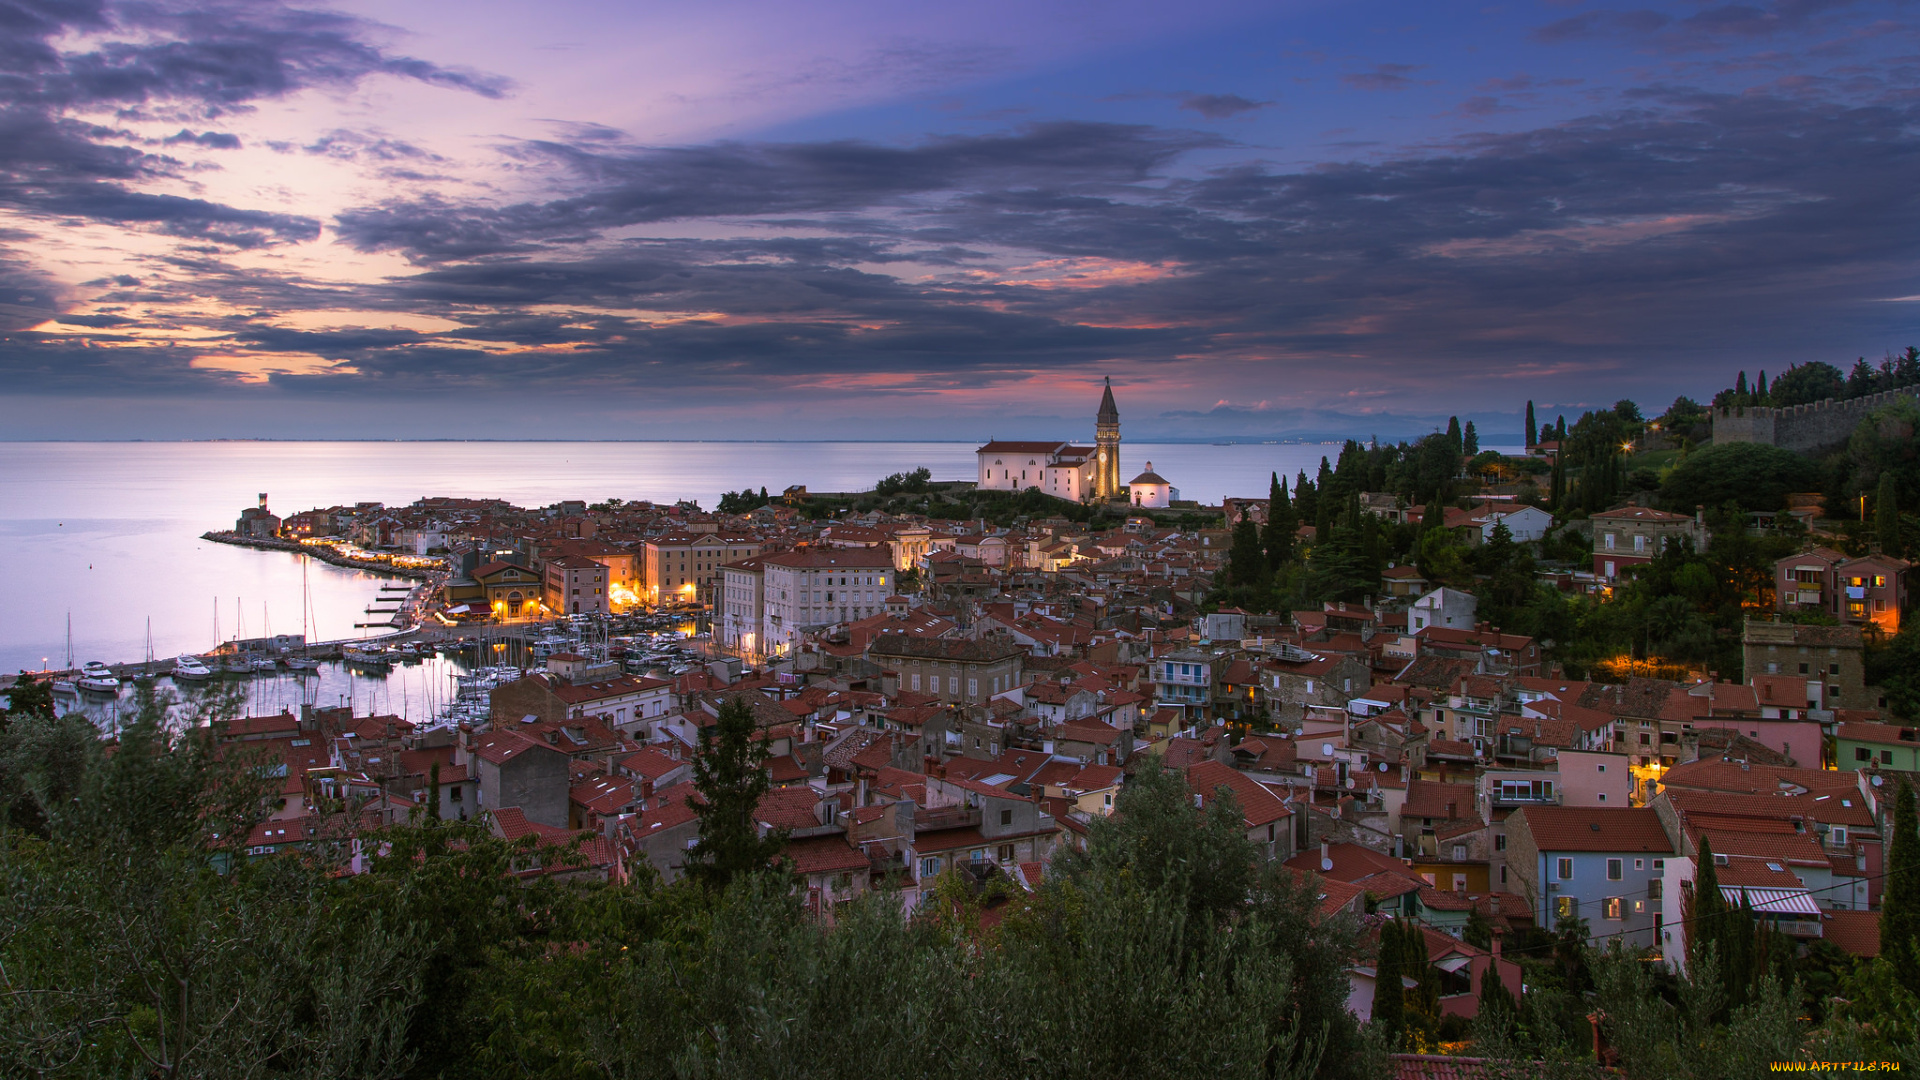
<point x="1773" y="901"/>
<point x="1453" y="963"/>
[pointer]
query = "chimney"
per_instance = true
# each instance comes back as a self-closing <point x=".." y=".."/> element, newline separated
<point x="1496" y="939"/>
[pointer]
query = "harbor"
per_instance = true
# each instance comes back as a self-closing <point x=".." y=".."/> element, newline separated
<point x="430" y="676"/>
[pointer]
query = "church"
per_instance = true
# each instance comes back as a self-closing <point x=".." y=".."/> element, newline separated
<point x="1080" y="473"/>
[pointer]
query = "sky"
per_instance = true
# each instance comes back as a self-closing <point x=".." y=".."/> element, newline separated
<point x="863" y="220"/>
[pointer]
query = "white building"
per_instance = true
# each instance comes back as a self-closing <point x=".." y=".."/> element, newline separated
<point x="742" y="608"/>
<point x="1058" y="469"/>
<point x="1446" y="608"/>
<point x="815" y="587"/>
<point x="1151" y="490"/>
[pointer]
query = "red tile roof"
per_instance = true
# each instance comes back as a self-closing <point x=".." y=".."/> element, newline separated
<point x="1580" y="828"/>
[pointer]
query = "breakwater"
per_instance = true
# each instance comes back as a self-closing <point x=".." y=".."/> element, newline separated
<point x="319" y="551"/>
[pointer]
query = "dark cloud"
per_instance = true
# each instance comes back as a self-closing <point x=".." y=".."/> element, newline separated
<point x="744" y="180"/>
<point x="1383" y="77"/>
<point x="1708" y="28"/>
<point x="1221" y="106"/>
<point x="150" y="59"/>
<point x="215" y="140"/>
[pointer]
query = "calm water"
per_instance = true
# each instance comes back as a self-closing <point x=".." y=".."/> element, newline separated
<point x="109" y="532"/>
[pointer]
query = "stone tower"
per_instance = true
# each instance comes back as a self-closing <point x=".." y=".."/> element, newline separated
<point x="1106" y="473"/>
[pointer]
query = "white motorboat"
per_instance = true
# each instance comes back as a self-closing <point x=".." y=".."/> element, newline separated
<point x="191" y="669"/>
<point x="98" y="678"/>
<point x="302" y="663"/>
<point x="366" y="656"/>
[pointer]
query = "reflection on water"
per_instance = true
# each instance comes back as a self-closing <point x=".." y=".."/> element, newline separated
<point x="416" y="692"/>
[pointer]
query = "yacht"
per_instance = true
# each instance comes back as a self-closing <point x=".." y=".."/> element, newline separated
<point x="302" y="663"/>
<point x="366" y="656"/>
<point x="191" y="669"/>
<point x="98" y="678"/>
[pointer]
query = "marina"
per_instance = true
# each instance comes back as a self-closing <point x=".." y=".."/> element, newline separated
<point x="432" y="677"/>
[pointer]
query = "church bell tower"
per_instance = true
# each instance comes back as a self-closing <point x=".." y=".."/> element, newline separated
<point x="1106" y="475"/>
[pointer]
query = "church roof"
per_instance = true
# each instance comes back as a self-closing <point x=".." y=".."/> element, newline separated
<point x="1149" y="477"/>
<point x="1108" y="410"/>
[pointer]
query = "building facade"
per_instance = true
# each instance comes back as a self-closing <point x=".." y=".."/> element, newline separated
<point x="1060" y="469"/>
<point x="819" y="587"/>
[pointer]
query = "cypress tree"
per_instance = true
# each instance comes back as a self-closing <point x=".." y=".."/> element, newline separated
<point x="1496" y="1001"/>
<point x="1532" y="431"/>
<point x="1389" y="996"/>
<point x="1560" y="433"/>
<point x="433" y="791"/>
<point x="1470" y="440"/>
<point x="1709" y="914"/>
<point x="1900" y="903"/>
<point x="1760" y="390"/>
<point x="1454" y="436"/>
<point x="1281" y="523"/>
<point x="1246" y="563"/>
<point x="1323" y="483"/>
<point x="1740" y="948"/>
<point x="1886" y="516"/>
<point x="1303" y="496"/>
<point x="1740" y="389"/>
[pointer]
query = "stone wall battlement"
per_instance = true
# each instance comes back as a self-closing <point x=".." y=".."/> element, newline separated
<point x="1802" y="427"/>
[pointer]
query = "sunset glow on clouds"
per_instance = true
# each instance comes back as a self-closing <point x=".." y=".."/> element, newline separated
<point x="669" y="221"/>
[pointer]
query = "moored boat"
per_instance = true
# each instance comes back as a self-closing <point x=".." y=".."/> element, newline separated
<point x="98" y="678"/>
<point x="190" y="669"/>
<point x="366" y="656"/>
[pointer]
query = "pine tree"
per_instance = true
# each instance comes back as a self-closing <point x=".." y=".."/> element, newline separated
<point x="1532" y="431"/>
<point x="1470" y="443"/>
<point x="1281" y="523"/>
<point x="1389" y="996"/>
<point x="1886" y="516"/>
<point x="729" y="779"/>
<point x="1900" y="903"/>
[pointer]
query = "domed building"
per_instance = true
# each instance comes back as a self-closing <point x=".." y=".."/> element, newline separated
<point x="1150" y="490"/>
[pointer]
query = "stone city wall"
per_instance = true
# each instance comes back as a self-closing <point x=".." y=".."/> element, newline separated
<point x="1802" y="427"/>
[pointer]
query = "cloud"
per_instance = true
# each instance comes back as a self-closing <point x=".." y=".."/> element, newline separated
<point x="635" y="187"/>
<point x="1220" y="106"/>
<point x="151" y="60"/>
<point x="1707" y="29"/>
<point x="214" y="140"/>
<point x="1383" y="77"/>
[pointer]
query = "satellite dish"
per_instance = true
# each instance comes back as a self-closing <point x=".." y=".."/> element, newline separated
<point x="1877" y="781"/>
<point x="1326" y="749"/>
<point x="1383" y="766"/>
<point x="1352" y="782"/>
<point x="1326" y="864"/>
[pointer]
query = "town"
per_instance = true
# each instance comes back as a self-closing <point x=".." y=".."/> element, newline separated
<point x="1645" y="687"/>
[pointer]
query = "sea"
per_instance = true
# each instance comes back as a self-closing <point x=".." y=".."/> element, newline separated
<point x="108" y="563"/>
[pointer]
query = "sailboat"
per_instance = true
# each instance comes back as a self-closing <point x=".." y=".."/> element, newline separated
<point x="305" y="661"/>
<point x="263" y="663"/>
<point x="235" y="663"/>
<point x="145" y="676"/>
<point x="66" y="685"/>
